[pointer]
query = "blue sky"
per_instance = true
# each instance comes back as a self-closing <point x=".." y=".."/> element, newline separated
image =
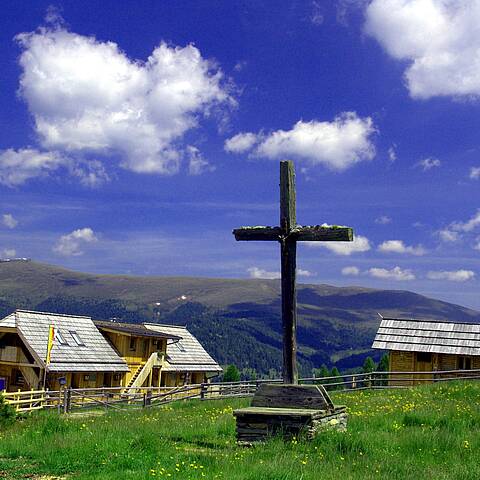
<point x="136" y="135"/>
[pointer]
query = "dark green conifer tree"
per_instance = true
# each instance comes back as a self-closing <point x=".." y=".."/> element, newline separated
<point x="231" y="374"/>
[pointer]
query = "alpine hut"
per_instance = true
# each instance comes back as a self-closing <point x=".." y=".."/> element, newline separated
<point x="428" y="346"/>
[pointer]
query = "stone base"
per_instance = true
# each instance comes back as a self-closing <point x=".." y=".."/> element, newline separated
<point x="257" y="424"/>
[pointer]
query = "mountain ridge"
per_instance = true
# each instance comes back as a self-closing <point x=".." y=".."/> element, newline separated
<point x="238" y="320"/>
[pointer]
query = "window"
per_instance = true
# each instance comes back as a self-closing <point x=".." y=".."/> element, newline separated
<point x="464" y="363"/>
<point x="180" y="346"/>
<point x="424" y="357"/>
<point x="133" y="343"/>
<point x="76" y="338"/>
<point x="59" y="338"/>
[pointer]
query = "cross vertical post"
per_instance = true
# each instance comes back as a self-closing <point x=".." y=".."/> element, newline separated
<point x="288" y="249"/>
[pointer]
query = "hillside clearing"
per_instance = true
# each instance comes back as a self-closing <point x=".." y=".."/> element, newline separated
<point x="425" y="432"/>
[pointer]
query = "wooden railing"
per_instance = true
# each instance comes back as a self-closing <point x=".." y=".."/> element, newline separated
<point x="69" y="399"/>
<point x="26" y="401"/>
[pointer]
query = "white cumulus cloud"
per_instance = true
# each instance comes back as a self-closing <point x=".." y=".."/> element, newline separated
<point x="18" y="166"/>
<point x="86" y="95"/>
<point x="475" y="173"/>
<point x="392" y="154"/>
<point x="256" y="272"/>
<point x="469" y="225"/>
<point x="196" y="163"/>
<point x="91" y="174"/>
<point x="9" y="253"/>
<point x="397" y="246"/>
<point x="395" y="273"/>
<point x="71" y="244"/>
<point x="304" y="273"/>
<point x="456" y="230"/>
<point x="9" y="220"/>
<point x="428" y="163"/>
<point x="241" y="142"/>
<point x="451" y="276"/>
<point x="350" y="271"/>
<point x="337" y="145"/>
<point x="448" y="235"/>
<point x="439" y="40"/>
<point x="359" y="244"/>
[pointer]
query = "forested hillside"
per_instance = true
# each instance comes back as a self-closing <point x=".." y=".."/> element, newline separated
<point x="238" y="321"/>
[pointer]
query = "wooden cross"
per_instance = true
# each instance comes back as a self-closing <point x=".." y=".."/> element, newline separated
<point x="288" y="234"/>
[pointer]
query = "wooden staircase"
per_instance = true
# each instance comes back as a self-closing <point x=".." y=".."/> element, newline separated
<point x="135" y="375"/>
<point x="143" y="371"/>
<point x="32" y="379"/>
<point x="28" y="373"/>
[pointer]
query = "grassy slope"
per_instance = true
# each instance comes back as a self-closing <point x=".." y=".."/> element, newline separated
<point x="335" y="323"/>
<point x="34" y="282"/>
<point x="422" y="433"/>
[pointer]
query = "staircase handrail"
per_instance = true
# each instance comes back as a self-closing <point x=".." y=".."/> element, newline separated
<point x="152" y="361"/>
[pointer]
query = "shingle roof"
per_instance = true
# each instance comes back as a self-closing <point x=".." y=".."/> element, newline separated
<point x="133" y="329"/>
<point x="428" y="336"/>
<point x="8" y="321"/>
<point x="95" y="355"/>
<point x="187" y="354"/>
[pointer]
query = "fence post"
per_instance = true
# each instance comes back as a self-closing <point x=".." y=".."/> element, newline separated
<point x="203" y="391"/>
<point x="67" y="400"/>
<point x="60" y="400"/>
<point x="147" y="398"/>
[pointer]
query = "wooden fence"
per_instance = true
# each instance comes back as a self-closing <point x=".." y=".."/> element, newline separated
<point x="69" y="399"/>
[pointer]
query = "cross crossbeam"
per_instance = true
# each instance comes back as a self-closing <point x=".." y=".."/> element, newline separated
<point x="288" y="234"/>
<point x="306" y="233"/>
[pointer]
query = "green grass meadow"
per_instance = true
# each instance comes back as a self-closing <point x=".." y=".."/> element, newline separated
<point x="430" y="432"/>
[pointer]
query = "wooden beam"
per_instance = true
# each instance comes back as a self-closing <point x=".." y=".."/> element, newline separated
<point x="288" y="216"/>
<point x="8" y="330"/>
<point x="289" y="310"/>
<point x="288" y="222"/>
<point x="19" y="364"/>
<point x="257" y="233"/>
<point x="319" y="233"/>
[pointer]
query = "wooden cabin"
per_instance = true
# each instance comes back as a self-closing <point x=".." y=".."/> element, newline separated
<point x="428" y="346"/>
<point x="143" y="350"/>
<point x="89" y="354"/>
<point x="81" y="357"/>
<point x="186" y="361"/>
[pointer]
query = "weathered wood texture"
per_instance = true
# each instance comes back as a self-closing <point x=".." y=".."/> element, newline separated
<point x="289" y="311"/>
<point x="288" y="410"/>
<point x="258" y="233"/>
<point x="300" y="233"/>
<point x="288" y="212"/>
<point x="292" y="396"/>
<point x="255" y="425"/>
<point x="322" y="233"/>
<point x="288" y="248"/>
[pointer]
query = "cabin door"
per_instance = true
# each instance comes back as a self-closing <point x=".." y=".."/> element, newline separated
<point x="424" y="363"/>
